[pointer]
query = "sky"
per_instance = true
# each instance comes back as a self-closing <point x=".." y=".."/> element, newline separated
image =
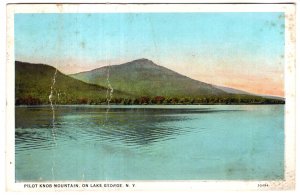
<point x="239" y="50"/>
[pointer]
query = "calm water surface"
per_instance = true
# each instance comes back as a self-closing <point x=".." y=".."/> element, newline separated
<point x="150" y="143"/>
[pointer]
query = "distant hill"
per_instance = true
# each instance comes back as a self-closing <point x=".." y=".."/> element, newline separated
<point x="33" y="86"/>
<point x="232" y="91"/>
<point x="144" y="78"/>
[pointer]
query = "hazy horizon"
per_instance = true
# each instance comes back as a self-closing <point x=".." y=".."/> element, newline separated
<point x="243" y="51"/>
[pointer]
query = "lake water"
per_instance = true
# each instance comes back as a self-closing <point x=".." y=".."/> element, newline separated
<point x="199" y="142"/>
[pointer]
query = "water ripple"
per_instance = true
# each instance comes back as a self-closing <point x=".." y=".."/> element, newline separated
<point x="134" y="127"/>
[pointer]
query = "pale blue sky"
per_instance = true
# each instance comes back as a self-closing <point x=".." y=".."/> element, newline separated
<point x="200" y="45"/>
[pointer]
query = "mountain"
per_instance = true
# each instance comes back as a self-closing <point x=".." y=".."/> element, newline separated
<point x="33" y="86"/>
<point x="154" y="84"/>
<point x="144" y="78"/>
<point x="137" y="82"/>
<point x="236" y="91"/>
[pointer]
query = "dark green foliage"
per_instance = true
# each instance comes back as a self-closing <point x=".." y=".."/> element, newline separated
<point x="28" y="101"/>
<point x="226" y="99"/>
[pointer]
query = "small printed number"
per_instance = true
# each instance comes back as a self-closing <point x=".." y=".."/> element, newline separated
<point x="262" y="185"/>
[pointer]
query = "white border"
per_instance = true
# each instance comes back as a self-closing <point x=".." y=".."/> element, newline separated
<point x="146" y="8"/>
<point x="289" y="9"/>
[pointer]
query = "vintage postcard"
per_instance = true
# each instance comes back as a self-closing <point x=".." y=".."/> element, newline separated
<point x="126" y="97"/>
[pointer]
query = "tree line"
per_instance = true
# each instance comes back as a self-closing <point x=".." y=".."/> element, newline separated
<point x="156" y="100"/>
